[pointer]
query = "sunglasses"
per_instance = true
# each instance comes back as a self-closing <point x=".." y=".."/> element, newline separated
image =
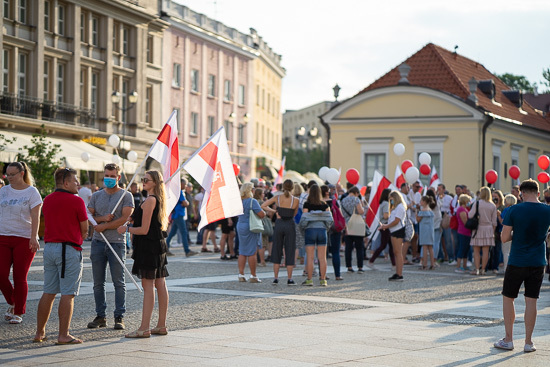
<point x="145" y="180"/>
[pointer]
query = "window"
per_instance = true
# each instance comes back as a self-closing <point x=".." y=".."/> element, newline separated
<point x="268" y="102"/>
<point x="7" y="9"/>
<point x="211" y="85"/>
<point x="150" y="49"/>
<point x="95" y="81"/>
<point x="241" y="95"/>
<point x="194" y="123"/>
<point x="95" y="30"/>
<point x="211" y="126"/>
<point x="227" y="124"/>
<point x="83" y="27"/>
<point x="5" y="71"/>
<point x="496" y="167"/>
<point x="82" y="87"/>
<point x="194" y="80"/>
<point x="47" y="25"/>
<point x="257" y="95"/>
<point x="532" y="157"/>
<point x="374" y="162"/>
<point x="60" y="83"/>
<point x="241" y="134"/>
<point x="125" y="40"/>
<point x="263" y="135"/>
<point x="23" y="11"/>
<point x="61" y="19"/>
<point x="178" y="119"/>
<point x="148" y="104"/>
<point x="257" y="132"/>
<point x="227" y="90"/>
<point x="263" y="98"/>
<point x="176" y="76"/>
<point x="116" y="29"/>
<point x="22" y="75"/>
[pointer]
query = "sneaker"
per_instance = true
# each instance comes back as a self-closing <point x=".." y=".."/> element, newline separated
<point x="452" y="262"/>
<point x="528" y="348"/>
<point x="191" y="253"/>
<point x="119" y="323"/>
<point x="460" y="270"/>
<point x="501" y="344"/>
<point x="396" y="278"/>
<point x="224" y="257"/>
<point x="98" y="322"/>
<point x="254" y="279"/>
<point x="275" y="281"/>
<point x="323" y="283"/>
<point x="168" y="253"/>
<point x="371" y="265"/>
<point x="242" y="278"/>
<point x="290" y="282"/>
<point x="308" y="282"/>
<point x="468" y="263"/>
<point x="416" y="260"/>
<point x="360" y="271"/>
<point x="350" y="270"/>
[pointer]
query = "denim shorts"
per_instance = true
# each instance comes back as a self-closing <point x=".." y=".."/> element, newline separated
<point x="315" y="236"/>
<point x="53" y="283"/>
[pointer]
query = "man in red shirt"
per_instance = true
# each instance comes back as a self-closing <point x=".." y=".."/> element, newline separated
<point x="66" y="225"/>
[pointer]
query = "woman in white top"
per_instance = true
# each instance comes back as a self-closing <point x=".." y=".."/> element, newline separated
<point x="20" y="204"/>
<point x="396" y="225"/>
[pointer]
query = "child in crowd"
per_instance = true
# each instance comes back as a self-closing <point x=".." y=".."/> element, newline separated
<point x="425" y="218"/>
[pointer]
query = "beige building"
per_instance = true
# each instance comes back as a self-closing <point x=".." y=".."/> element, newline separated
<point x="302" y="129"/>
<point x="444" y="104"/>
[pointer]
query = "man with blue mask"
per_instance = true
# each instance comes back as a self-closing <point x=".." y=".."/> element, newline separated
<point x="101" y="206"/>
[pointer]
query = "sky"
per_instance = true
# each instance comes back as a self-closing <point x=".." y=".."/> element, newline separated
<point x="355" y="42"/>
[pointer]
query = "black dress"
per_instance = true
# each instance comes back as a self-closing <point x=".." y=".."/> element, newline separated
<point x="149" y="250"/>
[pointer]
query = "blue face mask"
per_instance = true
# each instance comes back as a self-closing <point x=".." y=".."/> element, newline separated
<point x="109" y="182"/>
<point x="391" y="201"/>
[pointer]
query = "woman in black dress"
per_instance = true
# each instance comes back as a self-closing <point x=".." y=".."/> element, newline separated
<point x="150" y="221"/>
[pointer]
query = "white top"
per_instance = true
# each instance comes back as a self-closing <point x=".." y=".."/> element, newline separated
<point x="414" y="199"/>
<point x="85" y="194"/>
<point x="15" y="210"/>
<point x="397" y="212"/>
<point x="445" y="203"/>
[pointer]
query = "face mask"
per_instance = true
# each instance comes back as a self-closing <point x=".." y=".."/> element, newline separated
<point x="109" y="182"/>
<point x="391" y="201"/>
<point x="547" y="198"/>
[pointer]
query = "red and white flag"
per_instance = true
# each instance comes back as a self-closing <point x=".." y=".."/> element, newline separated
<point x="434" y="178"/>
<point x="165" y="150"/>
<point x="212" y="168"/>
<point x="379" y="183"/>
<point x="399" y="178"/>
<point x="280" y="174"/>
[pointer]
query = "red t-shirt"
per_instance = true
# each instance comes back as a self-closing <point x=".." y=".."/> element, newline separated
<point x="63" y="213"/>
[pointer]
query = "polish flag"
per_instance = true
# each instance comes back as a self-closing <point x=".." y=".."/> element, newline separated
<point x="280" y="174"/>
<point x="399" y="178"/>
<point x="165" y="150"/>
<point x="379" y="183"/>
<point x="434" y="178"/>
<point x="212" y="168"/>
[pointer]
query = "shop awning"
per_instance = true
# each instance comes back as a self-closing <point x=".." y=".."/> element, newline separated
<point x="70" y="154"/>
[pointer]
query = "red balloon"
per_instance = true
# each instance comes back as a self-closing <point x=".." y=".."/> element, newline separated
<point x="352" y="175"/>
<point x="544" y="162"/>
<point x="363" y="190"/>
<point x="406" y="165"/>
<point x="425" y="169"/>
<point x="514" y="172"/>
<point x="236" y="169"/>
<point x="543" y="177"/>
<point x="491" y="176"/>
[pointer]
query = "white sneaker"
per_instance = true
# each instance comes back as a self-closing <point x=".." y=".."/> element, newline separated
<point x="528" y="348"/>
<point x="254" y="279"/>
<point x="468" y="263"/>
<point x="242" y="278"/>
<point x="370" y="265"/>
<point x="501" y="344"/>
<point x="452" y="262"/>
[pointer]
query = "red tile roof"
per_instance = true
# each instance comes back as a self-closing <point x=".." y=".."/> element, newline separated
<point x="438" y="68"/>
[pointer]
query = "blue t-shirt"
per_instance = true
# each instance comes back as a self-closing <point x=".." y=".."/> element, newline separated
<point x="179" y="210"/>
<point x="244" y="219"/>
<point x="530" y="223"/>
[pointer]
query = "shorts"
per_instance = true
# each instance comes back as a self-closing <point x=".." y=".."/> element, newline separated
<point x="265" y="242"/>
<point x="226" y="228"/>
<point x="400" y="233"/>
<point x="315" y="236"/>
<point x="530" y="276"/>
<point x="212" y="226"/>
<point x="53" y="283"/>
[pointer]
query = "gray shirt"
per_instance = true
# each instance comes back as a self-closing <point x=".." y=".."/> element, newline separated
<point x="103" y="203"/>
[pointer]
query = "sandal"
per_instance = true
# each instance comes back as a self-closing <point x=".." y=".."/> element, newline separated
<point x="139" y="334"/>
<point x="72" y="341"/>
<point x="159" y="331"/>
<point x="15" y="319"/>
<point x="40" y="340"/>
<point x="9" y="313"/>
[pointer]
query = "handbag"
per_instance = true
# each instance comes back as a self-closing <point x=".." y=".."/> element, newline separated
<point x="255" y="223"/>
<point x="409" y="229"/>
<point x="473" y="223"/>
<point x="339" y="220"/>
<point x="446" y="221"/>
<point x="268" y="226"/>
<point x="355" y="225"/>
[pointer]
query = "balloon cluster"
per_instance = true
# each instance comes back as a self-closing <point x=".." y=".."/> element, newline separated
<point x="331" y="175"/>
<point x="544" y="163"/>
<point x="411" y="173"/>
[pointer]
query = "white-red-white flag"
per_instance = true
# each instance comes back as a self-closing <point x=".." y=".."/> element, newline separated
<point x="434" y="178"/>
<point x="280" y="174"/>
<point x="399" y="178"/>
<point x="165" y="150"/>
<point x="212" y="168"/>
<point x="379" y="183"/>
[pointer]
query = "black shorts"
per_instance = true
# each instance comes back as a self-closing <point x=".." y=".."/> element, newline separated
<point x="400" y="233"/>
<point x="226" y="228"/>
<point x="212" y="226"/>
<point x="531" y="277"/>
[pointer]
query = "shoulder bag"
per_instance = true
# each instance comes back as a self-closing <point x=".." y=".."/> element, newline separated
<point x="473" y="223"/>
<point x="355" y="225"/>
<point x="409" y="228"/>
<point x="339" y="221"/>
<point x="255" y="223"/>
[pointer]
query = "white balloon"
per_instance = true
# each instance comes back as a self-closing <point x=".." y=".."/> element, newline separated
<point x="323" y="173"/>
<point x="425" y="158"/>
<point x="116" y="159"/>
<point x="114" y="140"/>
<point x="333" y="175"/>
<point x="85" y="156"/>
<point x="412" y="175"/>
<point x="132" y="156"/>
<point x="399" y="149"/>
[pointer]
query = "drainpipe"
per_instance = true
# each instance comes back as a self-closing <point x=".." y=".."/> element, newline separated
<point x="327" y="127"/>
<point x="488" y="121"/>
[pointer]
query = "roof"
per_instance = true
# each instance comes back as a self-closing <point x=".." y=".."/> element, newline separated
<point x="539" y="101"/>
<point x="440" y="69"/>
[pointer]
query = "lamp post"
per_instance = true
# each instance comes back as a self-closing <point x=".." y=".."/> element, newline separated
<point x="132" y="99"/>
<point x="336" y="90"/>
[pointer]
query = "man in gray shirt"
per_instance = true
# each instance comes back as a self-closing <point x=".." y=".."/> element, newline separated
<point x="101" y="205"/>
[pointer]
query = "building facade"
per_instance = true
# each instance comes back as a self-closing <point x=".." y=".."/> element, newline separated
<point x="444" y="104"/>
<point x="302" y="129"/>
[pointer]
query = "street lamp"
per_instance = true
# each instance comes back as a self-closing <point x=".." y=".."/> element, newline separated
<point x="336" y="90"/>
<point x="132" y="99"/>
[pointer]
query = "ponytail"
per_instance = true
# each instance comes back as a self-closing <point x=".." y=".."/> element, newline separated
<point x="288" y="186"/>
<point x="22" y="167"/>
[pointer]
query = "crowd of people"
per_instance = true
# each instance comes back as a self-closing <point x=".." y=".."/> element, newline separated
<point x="286" y="225"/>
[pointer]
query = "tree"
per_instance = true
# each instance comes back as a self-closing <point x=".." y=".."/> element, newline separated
<point x="41" y="157"/>
<point x="546" y="76"/>
<point x="303" y="161"/>
<point x="3" y="142"/>
<point x="517" y="82"/>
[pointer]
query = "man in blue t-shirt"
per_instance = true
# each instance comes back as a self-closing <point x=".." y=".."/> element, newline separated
<point x="529" y="222"/>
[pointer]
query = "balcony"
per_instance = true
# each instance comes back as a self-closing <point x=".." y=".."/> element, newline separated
<point x="30" y="107"/>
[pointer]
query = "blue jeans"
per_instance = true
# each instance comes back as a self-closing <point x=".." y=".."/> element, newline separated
<point x="334" y="248"/>
<point x="100" y="256"/>
<point x="179" y="224"/>
<point x="447" y="237"/>
<point x="463" y="246"/>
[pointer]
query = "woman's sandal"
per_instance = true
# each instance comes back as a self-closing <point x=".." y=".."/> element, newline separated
<point x="40" y="340"/>
<point x="9" y="313"/>
<point x="159" y="331"/>
<point x="15" y="319"/>
<point x="139" y="334"/>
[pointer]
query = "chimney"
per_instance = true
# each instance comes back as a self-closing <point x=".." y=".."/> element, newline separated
<point x="472" y="84"/>
<point x="404" y="70"/>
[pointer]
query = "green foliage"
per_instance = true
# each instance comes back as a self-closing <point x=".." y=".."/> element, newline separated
<point x="303" y="161"/>
<point x="517" y="82"/>
<point x="5" y="141"/>
<point x="42" y="161"/>
<point x="546" y="76"/>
